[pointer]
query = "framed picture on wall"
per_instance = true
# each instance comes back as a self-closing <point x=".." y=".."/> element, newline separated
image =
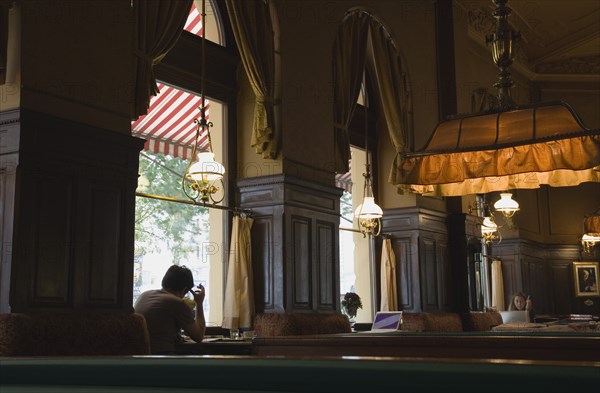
<point x="585" y="275"/>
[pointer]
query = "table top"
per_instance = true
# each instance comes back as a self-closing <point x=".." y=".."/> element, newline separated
<point x="214" y="345"/>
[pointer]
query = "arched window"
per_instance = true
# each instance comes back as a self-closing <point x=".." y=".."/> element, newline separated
<point x="365" y="59"/>
<point x="172" y="231"/>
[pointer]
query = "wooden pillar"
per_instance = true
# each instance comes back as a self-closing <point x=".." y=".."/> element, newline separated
<point x="74" y="211"/>
<point x="295" y="243"/>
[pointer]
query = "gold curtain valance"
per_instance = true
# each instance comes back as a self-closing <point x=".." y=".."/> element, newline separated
<point x="519" y="148"/>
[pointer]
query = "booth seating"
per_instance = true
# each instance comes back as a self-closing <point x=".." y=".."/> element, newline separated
<point x="73" y="334"/>
<point x="450" y="322"/>
<point x="480" y="321"/>
<point x="297" y="324"/>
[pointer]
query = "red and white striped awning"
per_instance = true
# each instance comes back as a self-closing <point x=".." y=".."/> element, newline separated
<point x="344" y="180"/>
<point x="168" y="127"/>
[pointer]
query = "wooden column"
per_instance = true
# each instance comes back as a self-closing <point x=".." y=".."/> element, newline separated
<point x="419" y="240"/>
<point x="9" y="157"/>
<point x="295" y="243"/>
<point x="74" y="210"/>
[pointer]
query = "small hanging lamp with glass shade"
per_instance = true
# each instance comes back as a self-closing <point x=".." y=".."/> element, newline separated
<point x="591" y="231"/>
<point x="201" y="177"/>
<point x="489" y="230"/>
<point x="506" y="205"/>
<point x="368" y="213"/>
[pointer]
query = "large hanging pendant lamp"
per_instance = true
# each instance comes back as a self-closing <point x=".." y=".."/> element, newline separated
<point x="508" y="147"/>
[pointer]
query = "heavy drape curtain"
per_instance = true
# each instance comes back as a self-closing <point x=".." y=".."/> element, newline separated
<point x="349" y="62"/>
<point x="389" y="290"/>
<point x="238" y="308"/>
<point x="158" y="25"/>
<point x="497" y="286"/>
<point x="363" y="41"/>
<point x="253" y="30"/>
<point x="393" y="88"/>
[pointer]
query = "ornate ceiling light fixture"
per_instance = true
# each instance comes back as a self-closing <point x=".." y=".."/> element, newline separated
<point x="529" y="145"/>
<point x="199" y="182"/>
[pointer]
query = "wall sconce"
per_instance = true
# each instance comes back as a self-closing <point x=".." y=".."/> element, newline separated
<point x="200" y="177"/>
<point x="489" y="230"/>
<point x="591" y="231"/>
<point x="368" y="213"/>
<point x="506" y="205"/>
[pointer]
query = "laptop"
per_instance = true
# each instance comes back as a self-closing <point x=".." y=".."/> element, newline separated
<point x="386" y="321"/>
<point x="515" y="316"/>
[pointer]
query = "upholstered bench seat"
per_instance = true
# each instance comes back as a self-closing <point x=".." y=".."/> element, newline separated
<point x="450" y="322"/>
<point x="296" y="324"/>
<point x="73" y="334"/>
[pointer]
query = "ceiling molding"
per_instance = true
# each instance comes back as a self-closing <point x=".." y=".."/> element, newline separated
<point x="577" y="68"/>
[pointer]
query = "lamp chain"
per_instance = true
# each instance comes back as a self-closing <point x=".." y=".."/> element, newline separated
<point x="206" y="171"/>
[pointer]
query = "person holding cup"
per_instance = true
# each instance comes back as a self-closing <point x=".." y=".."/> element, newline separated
<point x="167" y="313"/>
<point x="521" y="303"/>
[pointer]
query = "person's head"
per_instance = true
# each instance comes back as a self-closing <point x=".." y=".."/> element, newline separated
<point x="178" y="279"/>
<point x="519" y="301"/>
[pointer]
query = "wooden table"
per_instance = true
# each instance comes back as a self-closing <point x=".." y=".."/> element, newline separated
<point x="220" y="346"/>
<point x="573" y="347"/>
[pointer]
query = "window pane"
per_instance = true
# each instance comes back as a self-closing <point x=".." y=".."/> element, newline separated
<point x="171" y="232"/>
<point x="168" y="233"/>
<point x="213" y="26"/>
<point x="354" y="252"/>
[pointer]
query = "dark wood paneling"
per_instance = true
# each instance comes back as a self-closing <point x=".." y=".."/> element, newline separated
<point x="429" y="274"/>
<point x="445" y="276"/>
<point x="436" y="275"/>
<point x="403" y="250"/>
<point x="301" y="268"/>
<point x="544" y="272"/>
<point x="181" y="69"/>
<point x="464" y="260"/>
<point x="9" y="148"/>
<point x="74" y="217"/>
<point x="51" y="253"/>
<point x="105" y="261"/>
<point x="262" y="263"/>
<point x="419" y="238"/>
<point x="560" y="292"/>
<point x="535" y="283"/>
<point x="327" y="272"/>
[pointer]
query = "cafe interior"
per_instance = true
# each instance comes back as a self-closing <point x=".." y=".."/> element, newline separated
<point x="431" y="158"/>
